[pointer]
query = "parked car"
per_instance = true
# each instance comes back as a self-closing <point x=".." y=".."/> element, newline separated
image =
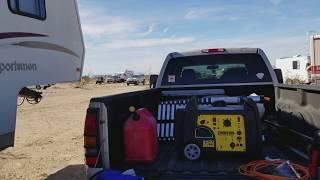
<point x="110" y="79"/>
<point x="136" y="80"/>
<point x="114" y="79"/>
<point x="118" y="79"/>
<point x="100" y="80"/>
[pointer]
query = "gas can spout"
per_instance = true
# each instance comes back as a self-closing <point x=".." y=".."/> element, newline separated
<point x="135" y="115"/>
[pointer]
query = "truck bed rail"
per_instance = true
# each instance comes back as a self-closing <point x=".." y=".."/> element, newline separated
<point x="300" y="104"/>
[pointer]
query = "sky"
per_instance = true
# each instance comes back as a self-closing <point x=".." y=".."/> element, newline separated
<point x="138" y="34"/>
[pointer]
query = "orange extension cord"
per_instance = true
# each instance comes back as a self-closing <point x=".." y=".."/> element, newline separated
<point x="253" y="168"/>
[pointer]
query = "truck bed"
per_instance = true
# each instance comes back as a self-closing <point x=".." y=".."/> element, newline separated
<point x="170" y="165"/>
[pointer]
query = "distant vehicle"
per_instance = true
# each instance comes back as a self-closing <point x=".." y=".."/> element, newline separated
<point x="153" y="80"/>
<point x="136" y="80"/>
<point x="100" y="80"/>
<point x="128" y="74"/>
<point x="124" y="75"/>
<point x="109" y="79"/>
<point x="41" y="43"/>
<point x="294" y="69"/>
<point x="115" y="79"/>
<point x="121" y="77"/>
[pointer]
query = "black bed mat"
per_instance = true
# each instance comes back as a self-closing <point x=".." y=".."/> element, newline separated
<point x="170" y="165"/>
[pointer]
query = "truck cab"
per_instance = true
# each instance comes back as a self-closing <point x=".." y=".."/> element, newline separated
<point x="218" y="80"/>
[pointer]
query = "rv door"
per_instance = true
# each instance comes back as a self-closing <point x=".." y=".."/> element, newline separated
<point x="40" y="43"/>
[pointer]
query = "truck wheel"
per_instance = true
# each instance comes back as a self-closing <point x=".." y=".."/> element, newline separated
<point x="192" y="152"/>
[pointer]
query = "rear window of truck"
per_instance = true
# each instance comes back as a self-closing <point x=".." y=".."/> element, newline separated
<point x="216" y="69"/>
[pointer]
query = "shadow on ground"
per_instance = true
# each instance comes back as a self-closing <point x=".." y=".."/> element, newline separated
<point x="71" y="172"/>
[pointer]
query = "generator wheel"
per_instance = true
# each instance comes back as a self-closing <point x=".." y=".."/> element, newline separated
<point x="192" y="152"/>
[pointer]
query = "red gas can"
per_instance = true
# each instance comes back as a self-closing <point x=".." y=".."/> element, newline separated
<point x="140" y="137"/>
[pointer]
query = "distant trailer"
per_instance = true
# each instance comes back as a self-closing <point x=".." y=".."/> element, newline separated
<point x="315" y="59"/>
<point x="294" y="69"/>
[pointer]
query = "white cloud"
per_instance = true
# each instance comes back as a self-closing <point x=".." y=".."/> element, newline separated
<point x="95" y="23"/>
<point x="109" y="58"/>
<point x="150" y="30"/>
<point x="107" y="36"/>
<point x="138" y="43"/>
<point x="215" y="14"/>
<point x="202" y="12"/>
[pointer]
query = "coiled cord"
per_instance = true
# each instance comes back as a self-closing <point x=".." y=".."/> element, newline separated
<point x="254" y="170"/>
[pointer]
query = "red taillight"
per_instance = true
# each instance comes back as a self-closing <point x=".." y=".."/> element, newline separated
<point x="90" y="128"/>
<point x="314" y="157"/>
<point x="91" y="137"/>
<point x="91" y="161"/>
<point x="90" y="142"/>
<point x="313" y="163"/>
<point x="213" y="50"/>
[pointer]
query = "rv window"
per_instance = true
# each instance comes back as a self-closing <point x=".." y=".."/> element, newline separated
<point x="30" y="8"/>
<point x="295" y="65"/>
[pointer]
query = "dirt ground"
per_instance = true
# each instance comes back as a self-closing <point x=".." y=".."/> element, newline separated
<point x="49" y="136"/>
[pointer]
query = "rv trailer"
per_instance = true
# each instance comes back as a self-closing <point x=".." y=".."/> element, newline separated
<point x="315" y="59"/>
<point x="294" y="69"/>
<point x="40" y="43"/>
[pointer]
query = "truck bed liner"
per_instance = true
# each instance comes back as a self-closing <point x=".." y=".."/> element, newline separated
<point x="168" y="164"/>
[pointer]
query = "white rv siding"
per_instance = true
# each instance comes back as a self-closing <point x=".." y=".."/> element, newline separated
<point x="315" y="58"/>
<point x="290" y="71"/>
<point x="315" y="50"/>
<point x="35" y="52"/>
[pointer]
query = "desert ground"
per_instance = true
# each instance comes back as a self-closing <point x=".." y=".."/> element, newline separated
<point x="49" y="135"/>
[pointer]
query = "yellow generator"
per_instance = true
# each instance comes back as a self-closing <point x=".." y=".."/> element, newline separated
<point x="218" y="129"/>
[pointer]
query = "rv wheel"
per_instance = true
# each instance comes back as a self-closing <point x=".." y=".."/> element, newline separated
<point x="192" y="152"/>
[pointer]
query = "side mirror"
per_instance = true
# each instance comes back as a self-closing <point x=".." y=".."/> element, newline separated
<point x="153" y="80"/>
<point x="279" y="75"/>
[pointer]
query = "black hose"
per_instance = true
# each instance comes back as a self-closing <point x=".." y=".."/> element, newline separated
<point x="21" y="101"/>
<point x="35" y="100"/>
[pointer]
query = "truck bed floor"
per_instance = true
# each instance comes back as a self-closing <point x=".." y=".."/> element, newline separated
<point x="169" y="163"/>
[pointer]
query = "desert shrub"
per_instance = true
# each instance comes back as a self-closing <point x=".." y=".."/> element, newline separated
<point x="295" y="80"/>
<point x="84" y="80"/>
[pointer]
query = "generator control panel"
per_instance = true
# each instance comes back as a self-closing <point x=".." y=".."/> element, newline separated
<point x="227" y="132"/>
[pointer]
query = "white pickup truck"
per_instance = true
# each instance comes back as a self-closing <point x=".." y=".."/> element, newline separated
<point x="289" y="121"/>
